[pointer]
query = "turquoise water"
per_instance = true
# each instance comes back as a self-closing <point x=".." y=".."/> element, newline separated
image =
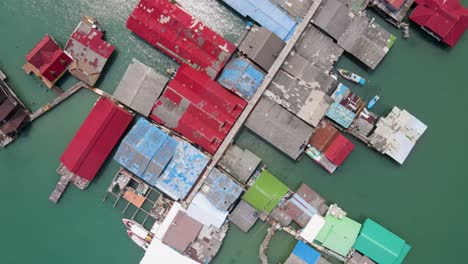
<point x="422" y="201"/>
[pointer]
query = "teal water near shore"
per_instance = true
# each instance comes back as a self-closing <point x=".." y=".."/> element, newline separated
<point x="423" y="201"/>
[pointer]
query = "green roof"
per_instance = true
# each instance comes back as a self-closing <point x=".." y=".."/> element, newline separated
<point x="338" y="235"/>
<point x="266" y="192"/>
<point x="381" y="245"/>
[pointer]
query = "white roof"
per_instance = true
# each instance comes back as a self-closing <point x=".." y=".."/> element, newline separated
<point x="202" y="210"/>
<point x="158" y="252"/>
<point x="160" y="231"/>
<point x="312" y="228"/>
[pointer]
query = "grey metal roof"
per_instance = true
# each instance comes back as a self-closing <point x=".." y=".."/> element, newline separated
<point x="221" y="190"/>
<point x="261" y="46"/>
<point x="300" y="98"/>
<point x="140" y="87"/>
<point x="333" y="17"/>
<point x="359" y="259"/>
<point x="318" y="48"/>
<point x="279" y="127"/>
<point x="281" y="216"/>
<point x="239" y="163"/>
<point x="244" y="216"/>
<point x="296" y="8"/>
<point x="397" y="15"/>
<point x="366" y="40"/>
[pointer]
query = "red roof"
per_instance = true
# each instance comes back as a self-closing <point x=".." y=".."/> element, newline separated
<point x="180" y="35"/>
<point x="49" y="59"/>
<point x="396" y="4"/>
<point x="198" y="108"/>
<point x="448" y="19"/>
<point x="95" y="139"/>
<point x="339" y="150"/>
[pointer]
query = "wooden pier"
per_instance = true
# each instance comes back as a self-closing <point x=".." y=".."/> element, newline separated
<point x="265" y="243"/>
<point x="60" y="188"/>
<point x="255" y="98"/>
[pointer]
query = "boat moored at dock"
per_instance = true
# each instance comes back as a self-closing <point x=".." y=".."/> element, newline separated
<point x="352" y="76"/>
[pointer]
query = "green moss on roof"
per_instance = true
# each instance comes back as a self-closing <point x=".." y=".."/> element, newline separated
<point x="381" y="245"/>
<point x="266" y="192"/>
<point x="338" y="235"/>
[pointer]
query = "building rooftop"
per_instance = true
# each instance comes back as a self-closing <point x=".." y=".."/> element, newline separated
<point x="157" y="250"/>
<point x="198" y="108"/>
<point x="318" y="48"/>
<point x="323" y="136"/>
<point x="380" y="244"/>
<point x="244" y="216"/>
<point x="303" y="254"/>
<point x="359" y="259"/>
<point x="48" y="59"/>
<point x="306" y="102"/>
<point x="140" y="87"/>
<point x="340" y="115"/>
<point x="208" y="243"/>
<point x="295" y="8"/>
<point x="95" y="139"/>
<point x="88" y="50"/>
<point x="261" y="46"/>
<point x="267" y="14"/>
<point x="220" y="190"/>
<point x="266" y="192"/>
<point x="146" y="151"/>
<point x="348" y="99"/>
<point x="388" y="7"/>
<point x="242" y="77"/>
<point x="446" y="20"/>
<point x="366" y="40"/>
<point x="239" y="163"/>
<point x="182" y="231"/>
<point x="279" y="127"/>
<point x="204" y="211"/>
<point x="313" y="228"/>
<point x="338" y="235"/>
<point x="397" y="134"/>
<point x="339" y="150"/>
<point x="180" y="35"/>
<point x="333" y="17"/>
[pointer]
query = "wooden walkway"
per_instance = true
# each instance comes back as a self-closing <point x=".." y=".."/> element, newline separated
<point x="255" y="98"/>
<point x="60" y="188"/>
<point x="265" y="243"/>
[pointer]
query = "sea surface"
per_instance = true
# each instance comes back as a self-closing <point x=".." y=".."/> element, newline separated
<point x="423" y="201"/>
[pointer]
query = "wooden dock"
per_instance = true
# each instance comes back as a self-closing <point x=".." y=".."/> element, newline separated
<point x="255" y="98"/>
<point x="60" y="188"/>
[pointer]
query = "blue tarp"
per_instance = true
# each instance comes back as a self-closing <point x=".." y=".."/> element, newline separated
<point x="182" y="171"/>
<point x="146" y="151"/>
<point x="267" y="14"/>
<point x="340" y="114"/>
<point x="306" y="253"/>
<point x="241" y="77"/>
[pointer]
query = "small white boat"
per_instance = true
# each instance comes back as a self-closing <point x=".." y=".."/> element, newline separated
<point x="373" y="101"/>
<point x="138" y="240"/>
<point x="138" y="233"/>
<point x="352" y="76"/>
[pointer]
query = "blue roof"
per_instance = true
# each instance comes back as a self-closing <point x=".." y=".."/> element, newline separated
<point x="146" y="150"/>
<point x="182" y="171"/>
<point x="341" y="92"/>
<point x="306" y="253"/>
<point x="267" y="14"/>
<point x="340" y="114"/>
<point x="242" y="77"/>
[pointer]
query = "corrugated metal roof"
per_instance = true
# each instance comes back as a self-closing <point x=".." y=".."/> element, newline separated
<point x="381" y="245"/>
<point x="239" y="163"/>
<point x="48" y="57"/>
<point x="157" y="250"/>
<point x="339" y="150"/>
<point x="183" y="231"/>
<point x="88" y="50"/>
<point x="266" y="14"/>
<point x="306" y="253"/>
<point x="146" y="151"/>
<point x="140" y="87"/>
<point x="279" y="127"/>
<point x="312" y="229"/>
<point x="333" y="17"/>
<point x="95" y="139"/>
<point x="198" y="108"/>
<point x="323" y="136"/>
<point x="241" y="77"/>
<point x="295" y="8"/>
<point x="359" y="259"/>
<point x="202" y="210"/>
<point x="304" y="204"/>
<point x="306" y="102"/>
<point x="220" y="190"/>
<point x="340" y="115"/>
<point x="180" y="35"/>
<point x="261" y="46"/>
<point x="266" y="192"/>
<point x="338" y="235"/>
<point x="244" y="216"/>
<point x="182" y="171"/>
<point x="448" y="20"/>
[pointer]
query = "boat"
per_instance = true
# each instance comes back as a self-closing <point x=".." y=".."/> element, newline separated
<point x="352" y="76"/>
<point x="138" y="240"/>
<point x="138" y="233"/>
<point x="373" y="101"/>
